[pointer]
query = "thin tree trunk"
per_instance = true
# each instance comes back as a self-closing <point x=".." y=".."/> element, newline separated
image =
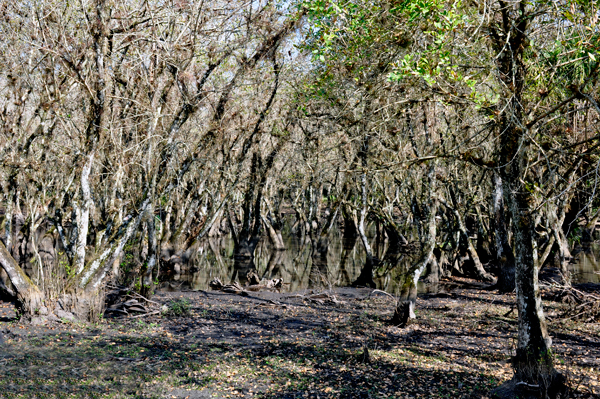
<point x="275" y="238"/>
<point x="405" y="311"/>
<point x="8" y="218"/>
<point x="151" y="259"/>
<point x="366" y="275"/>
<point x="478" y="267"/>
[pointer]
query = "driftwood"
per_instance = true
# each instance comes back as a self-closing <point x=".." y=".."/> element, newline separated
<point x="270" y="285"/>
<point x="216" y="284"/>
<point x="136" y="304"/>
<point x="235" y="288"/>
<point x="127" y="307"/>
<point x="582" y="306"/>
<point x="255" y="283"/>
<point x="270" y="302"/>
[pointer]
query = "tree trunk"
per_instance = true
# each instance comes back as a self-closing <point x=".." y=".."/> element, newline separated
<point x="243" y="259"/>
<point x="504" y="253"/>
<point x="533" y="362"/>
<point x="405" y="311"/>
<point x="480" y="272"/>
<point x="8" y="219"/>
<point x="83" y="215"/>
<point x="564" y="254"/>
<point x="274" y="235"/>
<point x="533" y="359"/>
<point x="151" y="259"/>
<point x="29" y="298"/>
<point x="318" y="270"/>
<point x="366" y="275"/>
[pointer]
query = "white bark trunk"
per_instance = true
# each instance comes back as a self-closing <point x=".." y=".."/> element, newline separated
<point x="363" y="214"/>
<point x="83" y="215"/>
<point x="275" y="238"/>
<point x="8" y="216"/>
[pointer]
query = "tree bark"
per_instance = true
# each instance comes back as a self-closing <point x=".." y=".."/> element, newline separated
<point x="504" y="252"/>
<point x="151" y="259"/>
<point x="29" y="298"/>
<point x="533" y="361"/>
<point x="405" y="311"/>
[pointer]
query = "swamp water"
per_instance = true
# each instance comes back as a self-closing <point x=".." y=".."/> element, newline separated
<point x="585" y="266"/>
<point x="345" y="260"/>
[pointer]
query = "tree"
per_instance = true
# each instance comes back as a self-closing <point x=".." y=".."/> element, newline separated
<point x="132" y="100"/>
<point x="511" y="69"/>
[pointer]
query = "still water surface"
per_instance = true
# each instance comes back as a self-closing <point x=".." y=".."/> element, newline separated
<point x="345" y="259"/>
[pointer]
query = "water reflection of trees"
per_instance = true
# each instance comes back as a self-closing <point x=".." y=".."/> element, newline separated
<point x="584" y="266"/>
<point x="322" y="263"/>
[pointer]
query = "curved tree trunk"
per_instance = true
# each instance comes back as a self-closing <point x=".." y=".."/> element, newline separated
<point x="478" y="269"/>
<point x="405" y="311"/>
<point x="29" y="298"/>
<point x="274" y="235"/>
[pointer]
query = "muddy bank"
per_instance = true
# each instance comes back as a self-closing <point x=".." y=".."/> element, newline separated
<point x="326" y="344"/>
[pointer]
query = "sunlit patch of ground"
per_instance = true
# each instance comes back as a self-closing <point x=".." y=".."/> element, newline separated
<point x="279" y="346"/>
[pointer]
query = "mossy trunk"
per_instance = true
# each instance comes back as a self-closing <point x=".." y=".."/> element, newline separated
<point x="533" y="360"/>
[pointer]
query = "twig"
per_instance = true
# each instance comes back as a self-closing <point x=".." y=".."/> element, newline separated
<point x="512" y="309"/>
<point x="145" y="314"/>
<point x="136" y="295"/>
<point x="535" y="386"/>
<point x="383" y="292"/>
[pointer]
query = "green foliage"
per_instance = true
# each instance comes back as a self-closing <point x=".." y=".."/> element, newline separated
<point x="64" y="264"/>
<point x="179" y="307"/>
<point x="127" y="262"/>
<point x="575" y="236"/>
<point x="356" y="39"/>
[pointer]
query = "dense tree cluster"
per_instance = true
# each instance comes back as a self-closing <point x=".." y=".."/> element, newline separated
<point x="464" y="134"/>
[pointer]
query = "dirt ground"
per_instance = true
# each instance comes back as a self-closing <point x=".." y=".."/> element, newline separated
<point x="276" y="345"/>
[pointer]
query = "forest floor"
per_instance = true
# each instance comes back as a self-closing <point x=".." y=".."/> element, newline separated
<point x="272" y="345"/>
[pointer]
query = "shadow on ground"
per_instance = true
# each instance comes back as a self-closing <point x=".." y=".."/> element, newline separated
<point x="268" y="346"/>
